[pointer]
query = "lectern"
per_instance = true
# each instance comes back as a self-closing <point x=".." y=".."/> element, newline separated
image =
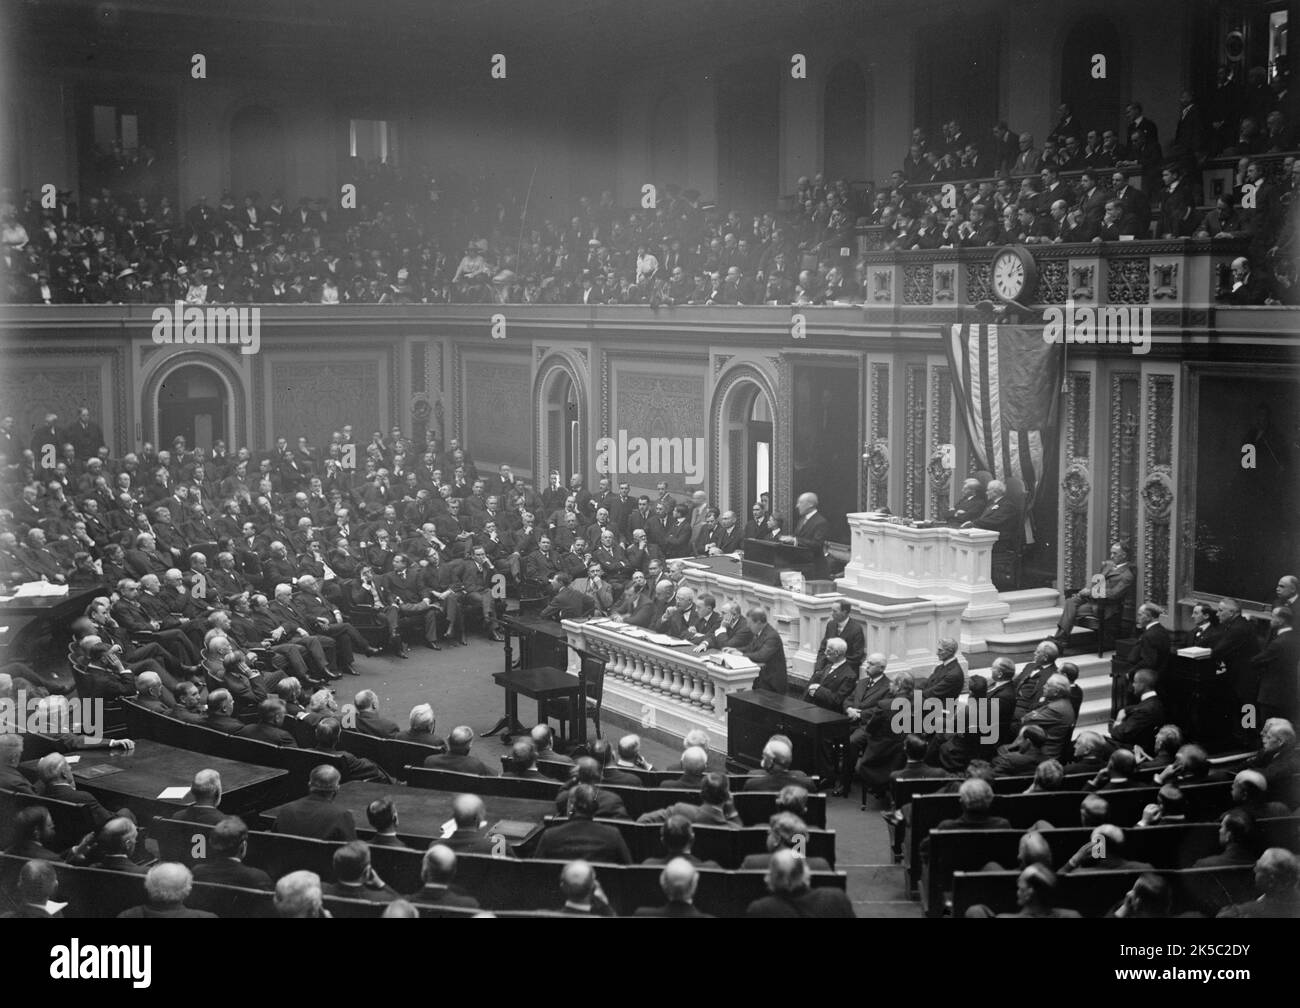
<point x="765" y="560"/>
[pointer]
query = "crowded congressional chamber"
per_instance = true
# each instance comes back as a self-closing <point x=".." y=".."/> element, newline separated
<point x="863" y="436"/>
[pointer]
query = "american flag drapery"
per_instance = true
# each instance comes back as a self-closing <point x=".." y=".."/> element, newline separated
<point x="1007" y="382"/>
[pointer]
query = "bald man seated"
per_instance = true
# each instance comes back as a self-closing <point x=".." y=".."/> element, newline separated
<point x="678" y="881"/>
<point x="437" y="873"/>
<point x="792" y="894"/>
<point x="777" y="757"/>
<point x="206" y="790"/>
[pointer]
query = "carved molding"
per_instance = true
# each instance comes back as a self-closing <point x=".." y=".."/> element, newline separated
<point x="878" y="434"/>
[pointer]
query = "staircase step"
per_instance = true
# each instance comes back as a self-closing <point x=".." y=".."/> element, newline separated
<point x="1031" y="598"/>
<point x="1025" y="619"/>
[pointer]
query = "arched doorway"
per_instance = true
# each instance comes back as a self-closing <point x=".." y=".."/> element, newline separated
<point x="192" y="402"/>
<point x="256" y="152"/>
<point x="668" y="140"/>
<point x="1095" y="99"/>
<point x="844" y="123"/>
<point x="560" y="425"/>
<point x="746" y="445"/>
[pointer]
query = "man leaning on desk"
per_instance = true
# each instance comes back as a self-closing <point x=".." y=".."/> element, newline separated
<point x="766" y="651"/>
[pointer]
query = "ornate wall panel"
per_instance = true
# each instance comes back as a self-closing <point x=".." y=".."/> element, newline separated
<point x="940" y="433"/>
<point x="36" y="382"/>
<point x="877" y="449"/>
<point x="1158" y="487"/>
<point x="315" y="398"/>
<point x="419" y="361"/>
<point x="290" y="366"/>
<point x="1076" y="481"/>
<point x="498" y="404"/>
<point x="1121" y="502"/>
<point x="915" y="454"/>
<point x="659" y="400"/>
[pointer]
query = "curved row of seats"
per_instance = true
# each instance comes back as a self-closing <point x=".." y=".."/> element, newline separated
<point x="497" y="883"/>
<point x="1172" y="847"/>
<point x="403" y="761"/>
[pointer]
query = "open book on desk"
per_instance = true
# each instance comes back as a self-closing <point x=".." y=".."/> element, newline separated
<point x="727" y="661"/>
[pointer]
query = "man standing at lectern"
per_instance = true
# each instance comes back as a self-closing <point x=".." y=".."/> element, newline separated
<point x="766" y="651"/>
<point x="810" y="529"/>
<point x="1117" y="573"/>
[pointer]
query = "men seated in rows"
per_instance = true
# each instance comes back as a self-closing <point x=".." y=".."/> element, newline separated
<point x="589" y="771"/>
<point x="580" y="836"/>
<point x="785" y="831"/>
<point x="715" y="807"/>
<point x="270" y="716"/>
<point x="368" y="719"/>
<point x="1136" y="725"/>
<point x="457" y="757"/>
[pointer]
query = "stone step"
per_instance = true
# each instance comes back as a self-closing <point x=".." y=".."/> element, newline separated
<point x="1031" y="598"/>
<point x="1026" y="619"/>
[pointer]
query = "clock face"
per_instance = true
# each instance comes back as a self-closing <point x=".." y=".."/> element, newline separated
<point x="1008" y="276"/>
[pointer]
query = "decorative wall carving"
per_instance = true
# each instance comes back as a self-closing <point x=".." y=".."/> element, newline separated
<point x="914" y="450"/>
<point x="315" y="398"/>
<point x="1076" y="482"/>
<point x="1083" y="283"/>
<point x="979" y="284"/>
<point x="1128" y="281"/>
<point x="878" y="435"/>
<point x="945" y="282"/>
<point x="419" y="353"/>
<point x="45" y="386"/>
<point x="1053" y="281"/>
<point x="1158" y="486"/>
<point x="1164" y="281"/>
<point x="940" y="434"/>
<point x="918" y="284"/>
<point x="882" y="285"/>
<point x="1121" y="517"/>
<point x="497" y="405"/>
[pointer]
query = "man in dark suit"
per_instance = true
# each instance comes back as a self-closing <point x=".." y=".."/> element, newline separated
<point x="471" y="835"/>
<point x="368" y="719"/>
<point x="766" y="651"/>
<point x="947" y="680"/>
<point x="842" y="625"/>
<point x="1118" y="575"/>
<point x="227" y="848"/>
<point x="1277" y="690"/>
<point x="38" y="884"/>
<point x="270" y="715"/>
<point x="167" y="885"/>
<point x="316" y="816"/>
<point x="11" y="754"/>
<point x="1135" y="202"/>
<point x="793" y="896"/>
<point x="588" y="770"/>
<point x="678" y="881"/>
<point x="567" y="602"/>
<point x="55" y="776"/>
<point x="873" y="687"/>
<point x="971" y="506"/>
<point x="1028" y="683"/>
<point x="776" y="760"/>
<point x="457" y="756"/>
<point x="832" y="683"/>
<point x="354" y="878"/>
<point x="206" y="790"/>
<point x="84" y="435"/>
<point x="1236" y="645"/>
<point x="580" y="837"/>
<point x="1137" y="724"/>
<point x="220" y="715"/>
<point x="1152" y="649"/>
<point x="810" y="530"/>
<point x="1004" y="517"/>
<point x="437" y="873"/>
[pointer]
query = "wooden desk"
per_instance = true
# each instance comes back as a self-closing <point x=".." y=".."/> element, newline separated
<point x="141" y="776"/>
<point x="421" y="813"/>
<point x="754" y="717"/>
<point x="543" y="684"/>
<point x="35" y="626"/>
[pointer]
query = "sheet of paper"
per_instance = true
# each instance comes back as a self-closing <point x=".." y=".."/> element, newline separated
<point x="72" y="760"/>
<point x="1194" y="652"/>
<point x="173" y="793"/>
